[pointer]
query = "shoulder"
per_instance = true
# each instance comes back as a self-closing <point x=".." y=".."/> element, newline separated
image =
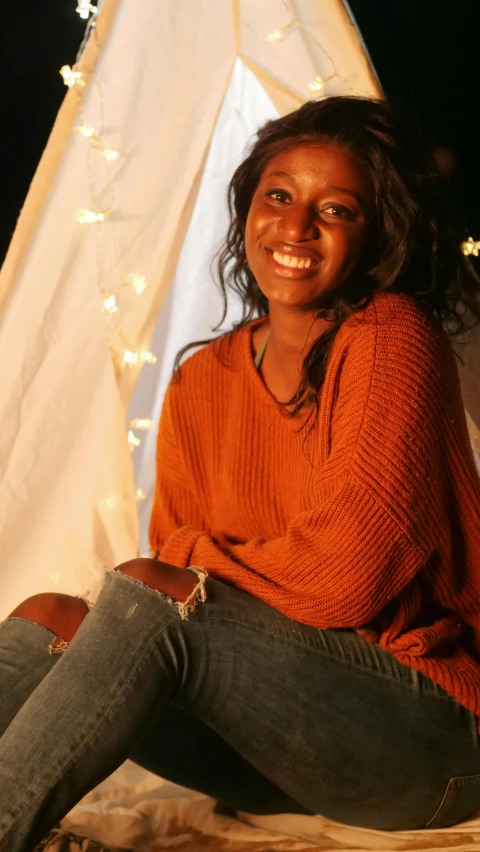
<point x="222" y="353"/>
<point x="389" y="357"/>
<point x="209" y="371"/>
<point x="396" y="328"/>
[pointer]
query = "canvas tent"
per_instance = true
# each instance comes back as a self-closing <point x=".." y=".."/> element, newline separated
<point x="168" y="96"/>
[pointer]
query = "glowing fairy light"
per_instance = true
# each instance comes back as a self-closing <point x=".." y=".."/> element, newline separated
<point x="72" y="77"/>
<point x="279" y="33"/>
<point x="87" y="217"/>
<point x="470" y="247"/>
<point x="85" y="9"/>
<point x="86" y="131"/>
<point x="140" y="495"/>
<point x="110" y="305"/>
<point x="317" y="85"/>
<point x="132" y="359"/>
<point x="133" y="441"/>
<point x="110" y="154"/>
<point x="138" y="282"/>
<point x="141" y="423"/>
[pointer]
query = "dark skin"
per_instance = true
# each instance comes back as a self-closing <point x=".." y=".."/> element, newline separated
<point x="312" y="204"/>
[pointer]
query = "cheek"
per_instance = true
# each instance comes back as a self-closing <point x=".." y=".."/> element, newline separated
<point x="346" y="246"/>
<point x="255" y="226"/>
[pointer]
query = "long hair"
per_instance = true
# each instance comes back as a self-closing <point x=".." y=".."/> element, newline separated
<point x="417" y="229"/>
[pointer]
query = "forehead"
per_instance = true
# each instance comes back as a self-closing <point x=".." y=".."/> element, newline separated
<point x="320" y="165"/>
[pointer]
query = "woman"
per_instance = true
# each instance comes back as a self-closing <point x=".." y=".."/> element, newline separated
<point x="316" y="463"/>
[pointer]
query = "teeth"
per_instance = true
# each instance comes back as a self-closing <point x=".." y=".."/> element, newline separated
<point x="292" y="262"/>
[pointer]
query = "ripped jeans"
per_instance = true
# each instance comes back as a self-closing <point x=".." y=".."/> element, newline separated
<point x="238" y="702"/>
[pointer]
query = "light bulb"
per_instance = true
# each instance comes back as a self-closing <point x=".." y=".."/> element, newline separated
<point x="131" y="359"/>
<point x="86" y="217"/>
<point x="110" y="154"/>
<point x="84" y="9"/>
<point x="133" y="441"/>
<point x="276" y="35"/>
<point x="72" y="77"/>
<point x="141" y="423"/>
<point x="470" y="247"/>
<point x="138" y="282"/>
<point x="317" y="85"/>
<point x="140" y="495"/>
<point x="110" y="305"/>
<point x="85" y="130"/>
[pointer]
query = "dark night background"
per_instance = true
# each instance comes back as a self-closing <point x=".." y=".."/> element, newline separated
<point x="424" y="51"/>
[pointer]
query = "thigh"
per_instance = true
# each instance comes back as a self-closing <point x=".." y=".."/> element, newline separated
<point x="334" y="721"/>
<point x="181" y="748"/>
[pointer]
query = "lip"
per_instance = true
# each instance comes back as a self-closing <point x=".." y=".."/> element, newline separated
<point x="292" y="271"/>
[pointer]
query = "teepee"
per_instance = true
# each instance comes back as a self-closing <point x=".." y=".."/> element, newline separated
<point x="108" y="268"/>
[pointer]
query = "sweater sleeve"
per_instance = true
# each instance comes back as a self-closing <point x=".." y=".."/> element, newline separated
<point x="341" y="562"/>
<point x="174" y="502"/>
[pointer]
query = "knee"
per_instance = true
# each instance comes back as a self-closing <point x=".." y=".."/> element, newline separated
<point x="175" y="582"/>
<point x="61" y="614"/>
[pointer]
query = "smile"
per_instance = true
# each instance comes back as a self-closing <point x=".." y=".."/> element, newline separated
<point x="291" y="266"/>
<point x="293" y="262"/>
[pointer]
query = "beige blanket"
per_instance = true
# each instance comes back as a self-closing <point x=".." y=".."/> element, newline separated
<point x="136" y="811"/>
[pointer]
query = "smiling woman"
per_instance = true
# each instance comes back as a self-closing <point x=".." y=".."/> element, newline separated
<point x="304" y="238"/>
<point x="325" y="656"/>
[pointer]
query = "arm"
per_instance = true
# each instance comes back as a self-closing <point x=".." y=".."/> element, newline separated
<point x="370" y="532"/>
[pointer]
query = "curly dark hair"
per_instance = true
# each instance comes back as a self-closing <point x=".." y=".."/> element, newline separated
<point x="417" y="227"/>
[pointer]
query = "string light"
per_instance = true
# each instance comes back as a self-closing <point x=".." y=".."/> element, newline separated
<point x="87" y="217"/>
<point x="470" y="247"/>
<point x="138" y="282"/>
<point x="133" y="441"/>
<point x="131" y="359"/>
<point x="141" y="423"/>
<point x="279" y="33"/>
<point x="85" y="130"/>
<point x="110" y="305"/>
<point x="140" y="495"/>
<point x="317" y="85"/>
<point x="85" y="8"/>
<point x="72" y="77"/>
<point x="110" y="154"/>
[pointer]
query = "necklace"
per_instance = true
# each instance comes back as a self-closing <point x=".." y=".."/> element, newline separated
<point x="261" y="351"/>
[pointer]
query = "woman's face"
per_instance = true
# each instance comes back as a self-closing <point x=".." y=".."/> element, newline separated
<point x="307" y="224"/>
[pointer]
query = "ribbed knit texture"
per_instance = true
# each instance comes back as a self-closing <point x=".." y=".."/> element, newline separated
<point x="372" y="523"/>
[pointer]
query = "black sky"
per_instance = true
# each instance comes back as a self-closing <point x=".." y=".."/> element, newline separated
<point x="424" y="51"/>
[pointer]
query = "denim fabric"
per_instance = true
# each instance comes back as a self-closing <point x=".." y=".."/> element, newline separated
<point x="239" y="702"/>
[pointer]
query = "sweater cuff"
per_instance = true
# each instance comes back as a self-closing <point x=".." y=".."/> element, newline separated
<point x="179" y="547"/>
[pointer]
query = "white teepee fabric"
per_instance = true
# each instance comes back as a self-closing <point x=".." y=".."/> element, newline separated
<point x="156" y="77"/>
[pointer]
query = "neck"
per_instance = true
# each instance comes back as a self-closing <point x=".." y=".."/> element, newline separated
<point x="292" y="335"/>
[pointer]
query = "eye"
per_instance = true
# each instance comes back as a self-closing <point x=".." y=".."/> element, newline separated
<point x="279" y="195"/>
<point x="338" y="210"/>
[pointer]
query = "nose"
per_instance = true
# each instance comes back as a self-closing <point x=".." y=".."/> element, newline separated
<point x="298" y="223"/>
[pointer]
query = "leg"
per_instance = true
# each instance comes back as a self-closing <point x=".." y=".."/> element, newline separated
<point x="180" y="748"/>
<point x="31" y="639"/>
<point x="176" y="746"/>
<point x="331" y="720"/>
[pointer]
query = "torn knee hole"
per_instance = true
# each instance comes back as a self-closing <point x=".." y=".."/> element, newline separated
<point x="158" y="585"/>
<point x="58" y="646"/>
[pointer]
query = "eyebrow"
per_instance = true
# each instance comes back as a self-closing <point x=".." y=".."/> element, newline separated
<point x="336" y="188"/>
<point x="348" y="192"/>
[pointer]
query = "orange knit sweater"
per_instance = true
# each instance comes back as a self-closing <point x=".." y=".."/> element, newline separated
<point x="372" y="523"/>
